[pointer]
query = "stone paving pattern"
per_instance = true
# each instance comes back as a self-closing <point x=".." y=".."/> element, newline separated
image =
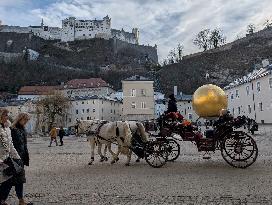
<point x="60" y="175"/>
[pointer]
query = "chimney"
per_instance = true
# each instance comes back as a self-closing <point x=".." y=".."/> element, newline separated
<point x="265" y="63"/>
<point x="175" y="90"/>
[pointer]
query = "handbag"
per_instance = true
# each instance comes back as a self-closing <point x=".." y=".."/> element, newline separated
<point x="15" y="166"/>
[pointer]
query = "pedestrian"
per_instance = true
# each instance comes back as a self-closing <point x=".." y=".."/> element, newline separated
<point x="7" y="151"/>
<point x="172" y="104"/>
<point x="61" y="135"/>
<point x="19" y="138"/>
<point x="53" y="136"/>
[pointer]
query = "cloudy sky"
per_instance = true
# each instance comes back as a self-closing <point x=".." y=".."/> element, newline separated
<point x="162" y="22"/>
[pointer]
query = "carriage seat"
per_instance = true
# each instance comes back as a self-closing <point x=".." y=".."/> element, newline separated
<point x="209" y="133"/>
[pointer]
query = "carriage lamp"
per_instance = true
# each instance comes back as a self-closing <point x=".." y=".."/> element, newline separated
<point x="208" y="100"/>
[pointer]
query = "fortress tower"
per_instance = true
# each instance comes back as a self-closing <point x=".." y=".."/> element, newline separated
<point x="136" y="32"/>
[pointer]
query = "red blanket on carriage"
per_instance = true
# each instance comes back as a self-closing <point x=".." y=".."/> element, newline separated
<point x="174" y="116"/>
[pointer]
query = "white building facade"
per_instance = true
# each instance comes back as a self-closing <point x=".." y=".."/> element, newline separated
<point x="252" y="96"/>
<point x="90" y="108"/>
<point x="184" y="105"/>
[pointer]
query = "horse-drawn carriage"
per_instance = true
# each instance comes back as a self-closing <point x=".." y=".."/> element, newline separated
<point x="237" y="148"/>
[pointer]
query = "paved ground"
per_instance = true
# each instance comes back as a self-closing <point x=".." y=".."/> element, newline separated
<point x="60" y="175"/>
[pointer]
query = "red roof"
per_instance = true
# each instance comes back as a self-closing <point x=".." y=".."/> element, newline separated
<point x="37" y="90"/>
<point x="87" y="83"/>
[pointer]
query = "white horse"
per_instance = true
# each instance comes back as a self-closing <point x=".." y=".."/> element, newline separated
<point x="102" y="132"/>
<point x="135" y="128"/>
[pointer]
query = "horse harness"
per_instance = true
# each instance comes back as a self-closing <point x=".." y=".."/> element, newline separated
<point x="97" y="131"/>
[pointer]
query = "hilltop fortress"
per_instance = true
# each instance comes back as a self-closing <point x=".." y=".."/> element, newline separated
<point x="73" y="29"/>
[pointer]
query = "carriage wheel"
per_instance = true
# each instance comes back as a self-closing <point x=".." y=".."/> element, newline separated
<point x="239" y="150"/>
<point x="156" y="154"/>
<point x="173" y="149"/>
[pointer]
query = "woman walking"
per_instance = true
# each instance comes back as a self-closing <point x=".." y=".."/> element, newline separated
<point x="6" y="150"/>
<point x="19" y="138"/>
<point x="53" y="136"/>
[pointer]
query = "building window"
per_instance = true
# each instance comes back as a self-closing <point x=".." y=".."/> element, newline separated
<point x="237" y="93"/>
<point x="83" y="110"/>
<point x="143" y="105"/>
<point x="133" y="105"/>
<point x="247" y="90"/>
<point x="258" y="86"/>
<point x="133" y="92"/>
<point x="260" y="106"/>
<point x="233" y="111"/>
<point x="231" y="97"/>
<point x="239" y="110"/>
<point x="82" y="102"/>
<point x="77" y="112"/>
<point x="70" y="120"/>
<point x="143" y="92"/>
<point x="111" y="111"/>
<point x="88" y="110"/>
<point x="94" y="110"/>
<point x="88" y="118"/>
<point x="249" y="109"/>
<point x="190" y="116"/>
<point x="270" y="82"/>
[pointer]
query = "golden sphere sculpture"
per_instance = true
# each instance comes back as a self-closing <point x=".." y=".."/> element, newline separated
<point x="209" y="100"/>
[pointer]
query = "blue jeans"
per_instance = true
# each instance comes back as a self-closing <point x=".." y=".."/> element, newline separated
<point x="5" y="188"/>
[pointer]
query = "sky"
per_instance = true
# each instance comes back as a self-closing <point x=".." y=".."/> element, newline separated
<point x="162" y="22"/>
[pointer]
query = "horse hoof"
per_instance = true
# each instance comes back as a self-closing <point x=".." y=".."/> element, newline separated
<point x="101" y="160"/>
<point x="106" y="158"/>
<point x="113" y="161"/>
<point x="127" y="164"/>
<point x="90" y="163"/>
<point x="117" y="159"/>
<point x="137" y="160"/>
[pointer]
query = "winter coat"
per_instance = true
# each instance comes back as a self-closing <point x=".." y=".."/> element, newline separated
<point x="61" y="133"/>
<point x="6" y="149"/>
<point x="53" y="133"/>
<point x="172" y="106"/>
<point x="19" y="138"/>
<point x="6" y="145"/>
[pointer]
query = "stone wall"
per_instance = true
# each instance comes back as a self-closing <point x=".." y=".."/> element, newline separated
<point x="10" y="57"/>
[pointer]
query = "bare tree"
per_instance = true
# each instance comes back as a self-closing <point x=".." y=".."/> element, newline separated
<point x="172" y="56"/>
<point x="217" y="38"/>
<point x="267" y="24"/>
<point x="52" y="107"/>
<point x="202" y="39"/>
<point x="180" y="52"/>
<point x="251" y="29"/>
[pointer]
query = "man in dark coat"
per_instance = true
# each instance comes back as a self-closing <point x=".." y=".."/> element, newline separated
<point x="172" y="104"/>
<point x="61" y="135"/>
